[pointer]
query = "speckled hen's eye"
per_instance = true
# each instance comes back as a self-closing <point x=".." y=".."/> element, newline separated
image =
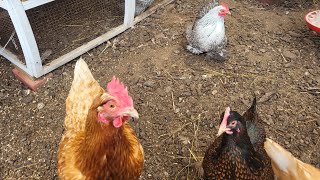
<point x="233" y="123"/>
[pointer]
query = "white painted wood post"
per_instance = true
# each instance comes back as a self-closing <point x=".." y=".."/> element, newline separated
<point x="26" y="37"/>
<point x="130" y="8"/>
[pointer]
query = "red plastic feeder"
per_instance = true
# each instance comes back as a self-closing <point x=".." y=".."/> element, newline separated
<point x="313" y="20"/>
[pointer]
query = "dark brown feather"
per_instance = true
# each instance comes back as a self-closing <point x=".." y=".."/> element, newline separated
<point x="241" y="157"/>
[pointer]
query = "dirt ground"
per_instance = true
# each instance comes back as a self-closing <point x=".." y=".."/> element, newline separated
<point x="178" y="95"/>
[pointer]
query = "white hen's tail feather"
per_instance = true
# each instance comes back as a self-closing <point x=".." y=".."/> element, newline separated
<point x="194" y="50"/>
<point x="286" y="166"/>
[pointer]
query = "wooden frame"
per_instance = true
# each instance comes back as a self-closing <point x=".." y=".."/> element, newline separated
<point x="34" y="67"/>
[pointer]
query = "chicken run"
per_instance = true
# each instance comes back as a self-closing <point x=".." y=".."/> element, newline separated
<point x="255" y="82"/>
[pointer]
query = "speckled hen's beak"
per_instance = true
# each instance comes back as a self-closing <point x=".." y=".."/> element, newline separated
<point x="223" y="125"/>
<point x="131" y="112"/>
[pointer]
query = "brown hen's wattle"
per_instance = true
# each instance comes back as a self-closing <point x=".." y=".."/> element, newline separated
<point x="240" y="154"/>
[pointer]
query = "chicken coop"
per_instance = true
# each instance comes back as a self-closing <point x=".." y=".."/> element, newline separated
<point x="38" y="36"/>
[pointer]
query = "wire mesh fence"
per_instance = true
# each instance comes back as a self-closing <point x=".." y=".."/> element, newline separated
<point x="61" y="26"/>
<point x="64" y="25"/>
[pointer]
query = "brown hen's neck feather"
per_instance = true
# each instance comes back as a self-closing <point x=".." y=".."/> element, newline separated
<point x="240" y="139"/>
<point x="240" y="145"/>
<point x="100" y="140"/>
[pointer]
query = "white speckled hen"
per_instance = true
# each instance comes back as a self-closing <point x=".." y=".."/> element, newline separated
<point x="207" y="34"/>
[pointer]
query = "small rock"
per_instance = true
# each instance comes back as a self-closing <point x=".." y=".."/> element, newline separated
<point x="156" y="16"/>
<point x="257" y="92"/>
<point x="214" y="92"/>
<point x="40" y="105"/>
<point x="167" y="89"/>
<point x="211" y="125"/>
<point x="142" y="134"/>
<point x="294" y="34"/>
<point x="176" y="51"/>
<point x="288" y="54"/>
<point x="27" y="99"/>
<point x="306" y="73"/>
<point x="2" y="95"/>
<point x="149" y="84"/>
<point x="199" y="89"/>
<point x="46" y="54"/>
<point x="160" y="36"/>
<point x="262" y="50"/>
<point x="315" y="131"/>
<point x="186" y="94"/>
<point x="287" y="65"/>
<point x="301" y="141"/>
<point x="26" y="92"/>
<point x="318" y="122"/>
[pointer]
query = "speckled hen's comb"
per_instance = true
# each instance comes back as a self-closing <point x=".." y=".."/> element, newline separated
<point x="116" y="89"/>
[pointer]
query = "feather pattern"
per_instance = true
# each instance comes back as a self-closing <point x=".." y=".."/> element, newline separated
<point x="207" y="8"/>
<point x="83" y="87"/>
<point x="235" y="156"/>
<point x="207" y="34"/>
<point x="90" y="149"/>
<point x="286" y="166"/>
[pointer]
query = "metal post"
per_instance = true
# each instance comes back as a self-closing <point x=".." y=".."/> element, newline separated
<point x="130" y="8"/>
<point x="26" y="37"/>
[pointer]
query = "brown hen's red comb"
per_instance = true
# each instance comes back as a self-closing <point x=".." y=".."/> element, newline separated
<point x="116" y="89"/>
<point x="225" y="5"/>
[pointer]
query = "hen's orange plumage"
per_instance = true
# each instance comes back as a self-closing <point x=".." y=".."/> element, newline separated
<point x="286" y="166"/>
<point x="98" y="143"/>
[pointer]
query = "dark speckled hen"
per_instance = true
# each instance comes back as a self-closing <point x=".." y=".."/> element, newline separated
<point x="238" y="151"/>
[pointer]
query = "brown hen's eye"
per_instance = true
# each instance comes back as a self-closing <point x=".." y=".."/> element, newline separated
<point x="111" y="106"/>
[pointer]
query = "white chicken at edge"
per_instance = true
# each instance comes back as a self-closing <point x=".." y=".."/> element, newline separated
<point x="207" y="34"/>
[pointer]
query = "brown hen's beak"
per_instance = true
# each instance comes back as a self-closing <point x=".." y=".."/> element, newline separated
<point x="223" y="125"/>
<point x="131" y="112"/>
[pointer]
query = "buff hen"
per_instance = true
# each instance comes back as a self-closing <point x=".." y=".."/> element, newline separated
<point x="98" y="143"/>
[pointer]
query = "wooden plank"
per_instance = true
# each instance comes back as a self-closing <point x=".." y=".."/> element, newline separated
<point x="26" y="37"/>
<point x="130" y="7"/>
<point x="14" y="59"/>
<point x="34" y="3"/>
<point x="84" y="48"/>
